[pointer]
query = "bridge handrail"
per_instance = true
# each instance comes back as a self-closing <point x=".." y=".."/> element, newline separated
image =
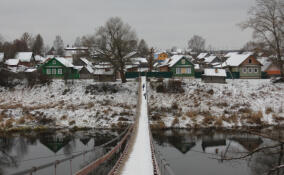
<point x="57" y="162"/>
<point x="164" y="167"/>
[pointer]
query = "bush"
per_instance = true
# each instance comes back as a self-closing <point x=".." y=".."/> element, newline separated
<point x="175" y="106"/>
<point x="161" y="89"/>
<point x="73" y="122"/>
<point x="268" y="110"/>
<point x="175" y="86"/>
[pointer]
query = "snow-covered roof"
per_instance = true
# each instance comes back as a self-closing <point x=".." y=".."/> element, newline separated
<point x="210" y="58"/>
<point x="265" y="62"/>
<point x="172" y="61"/>
<point x="235" y="58"/>
<point x="103" y="72"/>
<point x="30" y="70"/>
<point x="87" y="62"/>
<point x="65" y="62"/>
<point x="40" y="58"/>
<point x="196" y="66"/>
<point x="78" y="67"/>
<point x="12" y="62"/>
<point x="1" y="57"/>
<point x="140" y="60"/>
<point x="215" y="72"/>
<point x="76" y="48"/>
<point x="24" y="56"/>
<point x="202" y="55"/>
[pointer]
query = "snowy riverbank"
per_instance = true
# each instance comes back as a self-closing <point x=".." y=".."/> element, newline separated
<point x="83" y="104"/>
<point x="235" y="104"/>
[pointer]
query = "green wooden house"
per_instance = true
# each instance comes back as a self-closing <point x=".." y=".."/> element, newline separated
<point x="60" y="68"/>
<point x="179" y="65"/>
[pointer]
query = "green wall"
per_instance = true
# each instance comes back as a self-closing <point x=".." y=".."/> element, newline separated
<point x="187" y="64"/>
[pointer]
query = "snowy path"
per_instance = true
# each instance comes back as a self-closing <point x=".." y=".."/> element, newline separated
<point x="140" y="160"/>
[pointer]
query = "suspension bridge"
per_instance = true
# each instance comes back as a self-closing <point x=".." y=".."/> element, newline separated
<point x="132" y="152"/>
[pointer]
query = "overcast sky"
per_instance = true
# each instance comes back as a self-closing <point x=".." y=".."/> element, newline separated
<point x="162" y="23"/>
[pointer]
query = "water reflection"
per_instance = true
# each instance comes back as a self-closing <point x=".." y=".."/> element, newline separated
<point x="208" y="152"/>
<point x="23" y="151"/>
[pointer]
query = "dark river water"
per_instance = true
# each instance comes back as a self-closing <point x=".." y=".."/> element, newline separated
<point x="26" y="150"/>
<point x="200" y="152"/>
<point x="189" y="152"/>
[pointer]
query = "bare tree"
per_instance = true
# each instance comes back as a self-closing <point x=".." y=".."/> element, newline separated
<point x="38" y="45"/>
<point x="116" y="42"/>
<point x="266" y="19"/>
<point x="150" y="59"/>
<point x="143" y="49"/>
<point x="58" y="46"/>
<point x="28" y="39"/>
<point x="196" y="44"/>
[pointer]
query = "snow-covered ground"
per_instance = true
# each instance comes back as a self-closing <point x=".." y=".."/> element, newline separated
<point x="139" y="161"/>
<point x="237" y="103"/>
<point x="83" y="104"/>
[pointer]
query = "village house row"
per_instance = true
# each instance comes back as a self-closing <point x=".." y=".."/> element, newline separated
<point x="210" y="67"/>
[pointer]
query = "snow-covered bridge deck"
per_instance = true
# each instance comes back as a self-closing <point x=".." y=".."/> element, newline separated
<point x="140" y="156"/>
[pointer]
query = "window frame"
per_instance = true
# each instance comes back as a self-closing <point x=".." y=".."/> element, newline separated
<point x="53" y="61"/>
<point x="188" y="70"/>
<point x="48" y="71"/>
<point x="178" y="70"/>
<point x="245" y="70"/>
<point x="255" y="70"/>
<point x="54" y="71"/>
<point x="249" y="70"/>
<point x="59" y="71"/>
<point x="183" y="61"/>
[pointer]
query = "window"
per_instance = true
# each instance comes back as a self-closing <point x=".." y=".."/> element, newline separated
<point x="54" y="71"/>
<point x="256" y="70"/>
<point x="178" y="71"/>
<point x="48" y="72"/>
<point x="249" y="70"/>
<point x="244" y="70"/>
<point x="183" y="61"/>
<point x="250" y="61"/>
<point x="59" y="71"/>
<point x="54" y="62"/>
<point x="188" y="70"/>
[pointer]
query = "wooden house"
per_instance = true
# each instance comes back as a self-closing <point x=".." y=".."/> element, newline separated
<point x="104" y="71"/>
<point x="214" y="76"/>
<point x="86" y="71"/>
<point x="60" y="68"/>
<point x="26" y="59"/>
<point x="245" y="64"/>
<point x="269" y="67"/>
<point x="179" y="65"/>
<point x="161" y="56"/>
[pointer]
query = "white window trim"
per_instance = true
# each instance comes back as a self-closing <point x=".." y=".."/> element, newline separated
<point x="255" y="70"/>
<point x="48" y="71"/>
<point x="249" y="70"/>
<point x="59" y="71"/>
<point x="53" y="62"/>
<point x="178" y="70"/>
<point x="53" y="71"/>
<point x="188" y="70"/>
<point x="183" y="61"/>
<point x="245" y="70"/>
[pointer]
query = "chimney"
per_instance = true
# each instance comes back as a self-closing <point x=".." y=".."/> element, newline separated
<point x="216" y="70"/>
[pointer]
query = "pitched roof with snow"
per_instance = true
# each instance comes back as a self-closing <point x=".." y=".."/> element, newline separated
<point x="215" y="72"/>
<point x="12" y="62"/>
<point x="87" y="62"/>
<point x="24" y="56"/>
<point x="265" y="62"/>
<point x="65" y="62"/>
<point x="235" y="59"/>
<point x="40" y="58"/>
<point x="173" y="60"/>
<point x="210" y="58"/>
<point x="202" y="55"/>
<point x="1" y="57"/>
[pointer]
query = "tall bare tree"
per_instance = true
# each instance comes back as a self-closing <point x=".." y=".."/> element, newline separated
<point x="196" y="44"/>
<point x="58" y="46"/>
<point x="266" y="19"/>
<point x="116" y="42"/>
<point x="143" y="49"/>
<point x="38" y="45"/>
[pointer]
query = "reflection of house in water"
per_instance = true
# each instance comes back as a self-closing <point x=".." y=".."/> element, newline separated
<point x="55" y="142"/>
<point x="182" y="142"/>
<point x="85" y="139"/>
<point x="250" y="143"/>
<point x="213" y="143"/>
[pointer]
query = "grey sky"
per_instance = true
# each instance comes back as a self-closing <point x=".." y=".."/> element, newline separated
<point x="162" y="23"/>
